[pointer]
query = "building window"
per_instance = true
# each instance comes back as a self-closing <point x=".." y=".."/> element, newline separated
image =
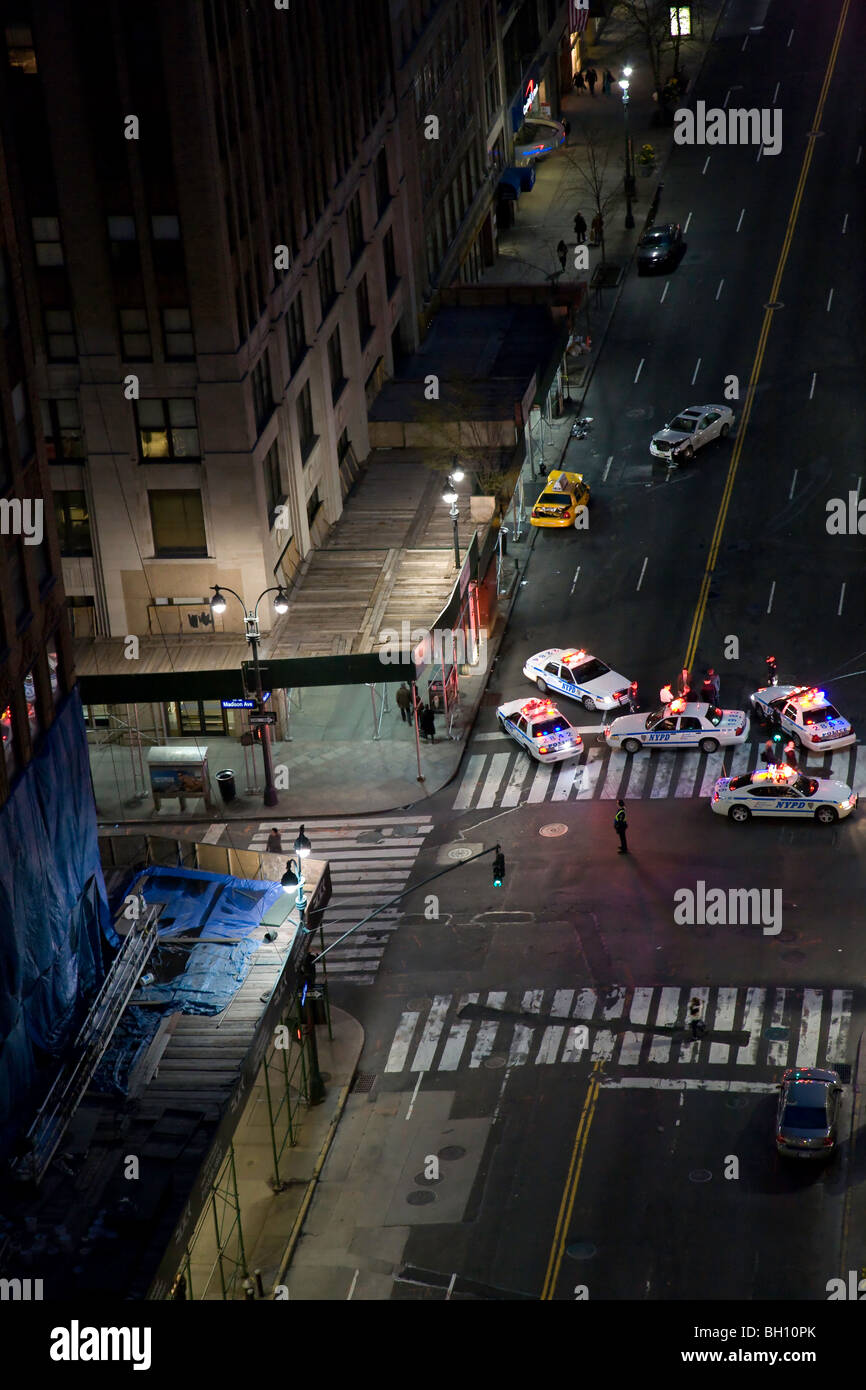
<point x="167" y="430"/>
<point x="327" y="283"/>
<point x="365" y="323"/>
<point x="135" y="343"/>
<point x="313" y="505"/>
<point x="20" y="599"/>
<point x="60" y="336"/>
<point x="165" y="227"/>
<point x="46" y="239"/>
<point x="123" y="244"/>
<point x="61" y="425"/>
<point x="82" y="616"/>
<point x="23" y="423"/>
<point x="167" y="248"/>
<point x="177" y="335"/>
<point x="274" y="494"/>
<point x="296" y="338"/>
<point x="383" y="191"/>
<point x="177" y="518"/>
<point x="73" y="523"/>
<point x="263" y="396"/>
<point x="355" y="227"/>
<point x="306" y="429"/>
<point x="391" y="276"/>
<point x="20" y="53"/>
<point x="335" y="362"/>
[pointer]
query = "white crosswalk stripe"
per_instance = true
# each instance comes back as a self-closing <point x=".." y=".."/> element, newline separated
<point x="626" y="1026"/>
<point x="370" y="860"/>
<point x="512" y="778"/>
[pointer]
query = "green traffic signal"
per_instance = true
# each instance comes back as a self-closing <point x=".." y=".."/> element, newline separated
<point x="498" y="868"/>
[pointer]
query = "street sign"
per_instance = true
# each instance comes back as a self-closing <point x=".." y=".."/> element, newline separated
<point x="267" y="716"/>
<point x="238" y="704"/>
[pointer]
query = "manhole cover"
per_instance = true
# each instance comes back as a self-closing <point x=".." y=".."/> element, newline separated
<point x="494" y="1062"/>
<point x="736" y="1102"/>
<point x="460" y="852"/>
<point x="423" y="1181"/>
<point x="451" y="1152"/>
<point x="421" y="1199"/>
<point x="700" y="1175"/>
<point x="581" y="1249"/>
<point x="793" y="956"/>
<point x="555" y="828"/>
<point x="774" y="304"/>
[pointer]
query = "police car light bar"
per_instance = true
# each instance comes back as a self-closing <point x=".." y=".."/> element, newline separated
<point x="812" y="697"/>
<point x="677" y="706"/>
<point x="534" y="707"/>
<point x="568" y="657"/>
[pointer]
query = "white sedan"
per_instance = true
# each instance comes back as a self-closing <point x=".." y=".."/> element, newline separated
<point x="782" y="791"/>
<point x="540" y="729"/>
<point x="691" y="430"/>
<point x="580" y="675"/>
<point x="679" y="725"/>
<point x="806" y="714"/>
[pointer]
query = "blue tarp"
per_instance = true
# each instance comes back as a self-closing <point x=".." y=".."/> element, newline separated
<point x="54" y="918"/>
<point x="510" y="184"/>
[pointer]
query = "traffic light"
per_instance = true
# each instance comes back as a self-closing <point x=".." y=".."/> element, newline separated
<point x="498" y="868"/>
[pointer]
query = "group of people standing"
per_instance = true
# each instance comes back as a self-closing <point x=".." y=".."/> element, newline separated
<point x="425" y="713"/>
<point x="586" y="79"/>
<point x="580" y="229"/>
<point x="690" y="691"/>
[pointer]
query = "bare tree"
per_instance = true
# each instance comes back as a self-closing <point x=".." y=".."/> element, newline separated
<point x="591" y="165"/>
<point x="647" y="22"/>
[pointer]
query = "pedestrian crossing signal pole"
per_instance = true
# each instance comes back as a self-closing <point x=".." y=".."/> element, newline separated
<point x="498" y="868"/>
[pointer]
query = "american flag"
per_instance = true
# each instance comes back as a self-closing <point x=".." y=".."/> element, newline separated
<point x="578" y="11"/>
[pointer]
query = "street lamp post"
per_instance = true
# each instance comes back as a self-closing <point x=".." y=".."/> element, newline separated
<point x="252" y="634"/>
<point x="450" y="495"/>
<point x="293" y="878"/>
<point x="629" y="177"/>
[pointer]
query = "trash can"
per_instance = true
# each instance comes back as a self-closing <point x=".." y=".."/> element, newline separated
<point x="226" y="784"/>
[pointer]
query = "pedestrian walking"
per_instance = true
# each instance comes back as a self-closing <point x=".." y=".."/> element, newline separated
<point x="596" y="230"/>
<point x="620" y="825"/>
<point x="275" y="843"/>
<point x="562" y="253"/>
<point x="696" y="1023"/>
<point x="580" y="228"/>
<point x="607" y="82"/>
<point x="404" y="703"/>
<point x="633" y="698"/>
<point x="591" y="79"/>
<point x="427" y="724"/>
<point x="579" y="84"/>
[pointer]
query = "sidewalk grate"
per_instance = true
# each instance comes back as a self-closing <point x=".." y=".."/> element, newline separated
<point x="844" y="1070"/>
<point x="364" y="1081"/>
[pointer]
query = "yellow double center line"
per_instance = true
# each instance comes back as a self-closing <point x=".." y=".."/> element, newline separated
<point x="575" y="1167"/>
<point x="703" y="596"/>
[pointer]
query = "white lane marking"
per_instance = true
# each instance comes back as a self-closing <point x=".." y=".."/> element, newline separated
<point x="859" y="153"/>
<point x="772" y="592"/>
<point x="845" y="224"/>
<point x="488" y="738"/>
<point x="514" y="785"/>
<point x="829" y="300"/>
<point x="576" y="1043"/>
<point x="810" y="1028"/>
<point x="793" y="484"/>
<point x="747" y="1056"/>
<point x="642" y="573"/>
<point x="637" y="778"/>
<point x="498" y="764"/>
<point x="739" y="761"/>
<point x="841" y="601"/>
<point x="840" y="1018"/>
<point x="790" y="36"/>
<point x="469" y="782"/>
<point x="859" y="485"/>
<point x="664" y="773"/>
<point x="414" y="1095"/>
<point x="538" y="790"/>
<point x="706" y="165"/>
<point x="760" y="152"/>
<point x="725" y="102"/>
<point x="617" y="1003"/>
<point x="602" y="1048"/>
<point x="712" y="772"/>
<point x="666" y="1017"/>
<point x="574" y="580"/>
<point x="486" y="1035"/>
<point x="616" y="766"/>
<point x="690" y="1051"/>
<point x="451" y="1284"/>
<point x="630" y="1049"/>
<point x="585" y="1004"/>
<point x="589" y="775"/>
<point x="212" y="834"/>
<point x="607" y="468"/>
<point x="562" y="1002"/>
<point x="812" y="387"/>
<point x="352" y="1288"/>
<point x="740" y="220"/>
<point x="776" y="93"/>
<point x="520" y="1044"/>
<point x="549" y="1045"/>
<point x="426" y="1049"/>
<point x="456" y="1040"/>
<point x="639" y="370"/>
<point x="777" y="1053"/>
<point x="659" y="1083"/>
<point x="719" y="290"/>
<point x="402" y="1041"/>
<point x="745" y="41"/>
<point x="640" y="1005"/>
<point x="726" y="1004"/>
<point x="689" y="218"/>
<point x="664" y="291"/>
<point x="688" y="775"/>
<point x="564" y="781"/>
<point x="697" y="369"/>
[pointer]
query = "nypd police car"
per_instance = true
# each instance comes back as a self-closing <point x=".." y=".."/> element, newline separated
<point x="806" y="714"/>
<point x="679" y="725"/>
<point x="577" y="673"/>
<point x="538" y="726"/>
<point x="782" y="791"/>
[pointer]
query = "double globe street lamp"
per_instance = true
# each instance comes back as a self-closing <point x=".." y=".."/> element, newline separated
<point x="629" y="176"/>
<point x="450" y="495"/>
<point x="292" y="881"/>
<point x="252" y="632"/>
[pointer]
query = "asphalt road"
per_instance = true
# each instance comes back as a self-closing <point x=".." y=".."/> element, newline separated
<point x="554" y="1008"/>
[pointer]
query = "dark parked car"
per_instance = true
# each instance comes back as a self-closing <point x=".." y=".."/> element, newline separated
<point x="808" y="1114"/>
<point x="660" y="246"/>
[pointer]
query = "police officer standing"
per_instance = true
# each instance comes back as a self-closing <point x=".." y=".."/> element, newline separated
<point x="620" y="825"/>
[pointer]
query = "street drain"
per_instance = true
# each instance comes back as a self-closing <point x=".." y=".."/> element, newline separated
<point x="364" y="1081"/>
<point x="421" y="1199"/>
<point x="555" y="828"/>
<point x="581" y="1249"/>
<point x="700" y="1175"/>
<point x="451" y="1152"/>
<point x="494" y="1062"/>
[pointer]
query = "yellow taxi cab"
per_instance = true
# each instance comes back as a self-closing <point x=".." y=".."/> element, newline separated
<point x="564" y="501"/>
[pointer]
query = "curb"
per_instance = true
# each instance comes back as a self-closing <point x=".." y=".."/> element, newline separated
<point x="857" y="1088"/>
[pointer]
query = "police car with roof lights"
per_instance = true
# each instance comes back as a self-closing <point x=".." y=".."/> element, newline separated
<point x="538" y="726"/>
<point x="782" y="791"/>
<point x="580" y="675"/>
<point x="806" y="714"/>
<point x="679" y="725"/>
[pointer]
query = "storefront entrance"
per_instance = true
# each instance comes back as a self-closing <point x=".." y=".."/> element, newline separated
<point x="196" y="717"/>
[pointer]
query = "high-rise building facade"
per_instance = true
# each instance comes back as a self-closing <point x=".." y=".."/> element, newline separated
<point x="215" y="259"/>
